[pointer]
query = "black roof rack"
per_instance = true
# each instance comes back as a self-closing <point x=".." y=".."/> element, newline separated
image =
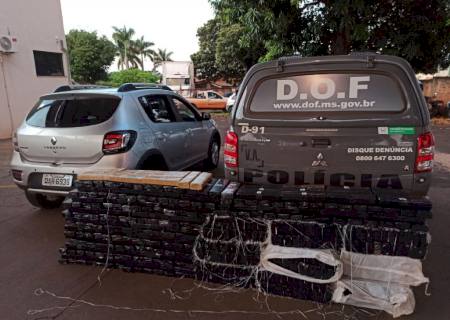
<point x="363" y="53"/>
<point x="78" y="87"/>
<point x="281" y="61"/>
<point x="141" y="86"/>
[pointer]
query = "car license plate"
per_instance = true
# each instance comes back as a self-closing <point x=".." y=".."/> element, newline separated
<point x="57" y="180"/>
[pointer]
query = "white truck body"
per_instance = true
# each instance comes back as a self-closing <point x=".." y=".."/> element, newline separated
<point x="179" y="76"/>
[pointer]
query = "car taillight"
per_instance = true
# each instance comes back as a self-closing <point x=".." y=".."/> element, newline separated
<point x="118" y="141"/>
<point x="425" y="152"/>
<point x="15" y="142"/>
<point x="231" y="150"/>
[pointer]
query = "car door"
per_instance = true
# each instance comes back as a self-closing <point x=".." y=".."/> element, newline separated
<point x="215" y="101"/>
<point x="202" y="101"/>
<point x="190" y="122"/>
<point x="167" y="137"/>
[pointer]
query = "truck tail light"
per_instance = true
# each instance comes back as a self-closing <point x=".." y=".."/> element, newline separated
<point x="425" y="153"/>
<point x="118" y="141"/>
<point x="231" y="150"/>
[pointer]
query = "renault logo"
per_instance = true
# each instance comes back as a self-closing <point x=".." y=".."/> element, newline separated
<point x="319" y="162"/>
<point x="53" y="140"/>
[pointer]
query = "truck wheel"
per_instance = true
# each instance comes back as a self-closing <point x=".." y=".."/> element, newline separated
<point x="443" y="111"/>
<point x="433" y="110"/>
<point x="446" y="112"/>
<point x="44" y="201"/>
<point x="213" y="154"/>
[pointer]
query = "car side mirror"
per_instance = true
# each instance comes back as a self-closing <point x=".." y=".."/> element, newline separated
<point x="206" y="116"/>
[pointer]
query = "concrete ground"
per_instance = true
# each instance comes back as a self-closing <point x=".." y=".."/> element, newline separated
<point x="35" y="286"/>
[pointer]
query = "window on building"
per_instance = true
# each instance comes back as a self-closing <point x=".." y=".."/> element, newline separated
<point x="48" y="63"/>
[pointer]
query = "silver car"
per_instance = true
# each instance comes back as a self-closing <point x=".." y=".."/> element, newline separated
<point x="82" y="129"/>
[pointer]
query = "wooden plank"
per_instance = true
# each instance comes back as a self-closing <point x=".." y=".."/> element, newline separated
<point x="99" y="175"/>
<point x="201" y="180"/>
<point x="164" y="178"/>
<point x="183" y="179"/>
<point x="186" y="181"/>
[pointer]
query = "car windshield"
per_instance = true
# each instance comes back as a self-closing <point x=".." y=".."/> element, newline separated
<point x="78" y="112"/>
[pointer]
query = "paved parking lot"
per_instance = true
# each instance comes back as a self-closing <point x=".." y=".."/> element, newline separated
<point x="35" y="286"/>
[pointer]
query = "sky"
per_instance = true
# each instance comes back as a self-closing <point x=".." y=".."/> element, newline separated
<point x="170" y="24"/>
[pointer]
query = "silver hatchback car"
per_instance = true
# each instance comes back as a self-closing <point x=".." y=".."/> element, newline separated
<point x="135" y="126"/>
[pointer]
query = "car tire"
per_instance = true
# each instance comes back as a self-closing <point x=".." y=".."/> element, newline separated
<point x="213" y="154"/>
<point x="43" y="201"/>
<point x="229" y="108"/>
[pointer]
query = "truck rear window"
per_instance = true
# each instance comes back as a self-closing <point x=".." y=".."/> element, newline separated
<point x="78" y="112"/>
<point x="328" y="93"/>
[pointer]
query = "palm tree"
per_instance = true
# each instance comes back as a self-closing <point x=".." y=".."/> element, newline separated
<point x="160" y="56"/>
<point x="127" y="54"/>
<point x="143" y="49"/>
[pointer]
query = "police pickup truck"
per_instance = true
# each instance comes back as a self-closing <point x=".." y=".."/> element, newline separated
<point x="357" y="121"/>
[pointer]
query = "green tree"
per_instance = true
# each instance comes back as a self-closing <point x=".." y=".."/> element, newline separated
<point x="205" y="58"/>
<point x="89" y="55"/>
<point x="220" y="53"/>
<point x="128" y="55"/>
<point x="117" y="78"/>
<point x="415" y="30"/>
<point x="234" y="58"/>
<point x="160" y="56"/>
<point x="143" y="49"/>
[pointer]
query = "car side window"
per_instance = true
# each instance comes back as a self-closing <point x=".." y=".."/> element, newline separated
<point x="212" y="95"/>
<point x="157" y="108"/>
<point x="185" y="112"/>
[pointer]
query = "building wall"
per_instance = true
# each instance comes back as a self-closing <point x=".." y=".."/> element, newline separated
<point x="37" y="25"/>
<point x="437" y="88"/>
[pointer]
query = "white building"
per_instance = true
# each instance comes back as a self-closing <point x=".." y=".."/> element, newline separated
<point x="441" y="73"/>
<point x="38" y="63"/>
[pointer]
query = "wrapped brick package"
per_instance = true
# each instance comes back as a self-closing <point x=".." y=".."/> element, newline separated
<point x="283" y="241"/>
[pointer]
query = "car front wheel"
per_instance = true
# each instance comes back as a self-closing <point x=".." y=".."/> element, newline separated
<point x="44" y="201"/>
<point x="213" y="154"/>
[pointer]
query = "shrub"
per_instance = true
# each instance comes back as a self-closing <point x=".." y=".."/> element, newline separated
<point x="117" y="78"/>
